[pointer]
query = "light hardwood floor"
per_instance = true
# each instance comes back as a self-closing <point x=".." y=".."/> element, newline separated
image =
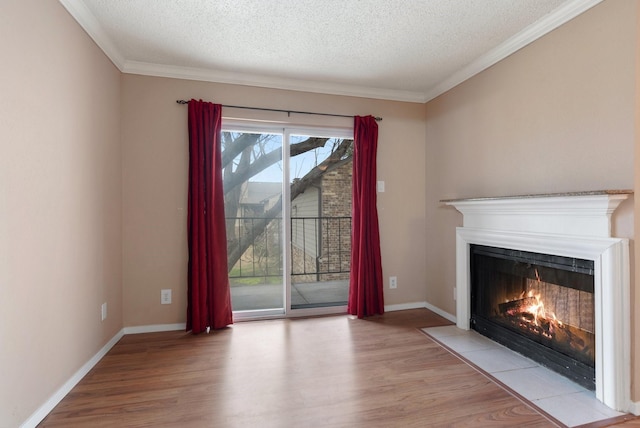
<point x="333" y="371"/>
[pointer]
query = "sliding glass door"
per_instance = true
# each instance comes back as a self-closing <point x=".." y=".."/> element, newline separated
<point x="278" y="263"/>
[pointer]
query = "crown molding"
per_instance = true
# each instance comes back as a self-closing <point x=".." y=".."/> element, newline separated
<point x="558" y="17"/>
<point x="217" y="76"/>
<point x="79" y="11"/>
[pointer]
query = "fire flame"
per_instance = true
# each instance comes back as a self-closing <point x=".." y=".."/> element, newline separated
<point x="538" y="311"/>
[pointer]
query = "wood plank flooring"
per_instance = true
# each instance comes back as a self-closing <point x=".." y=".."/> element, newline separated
<point x="334" y="371"/>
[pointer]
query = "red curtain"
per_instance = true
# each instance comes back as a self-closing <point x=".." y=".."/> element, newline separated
<point x="209" y="297"/>
<point x="366" y="287"/>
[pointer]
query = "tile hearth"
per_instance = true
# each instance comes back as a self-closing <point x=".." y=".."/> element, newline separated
<point x="559" y="397"/>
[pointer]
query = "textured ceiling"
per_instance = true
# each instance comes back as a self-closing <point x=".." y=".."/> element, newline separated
<point x="408" y="50"/>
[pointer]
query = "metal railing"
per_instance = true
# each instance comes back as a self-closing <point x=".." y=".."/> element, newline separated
<point x="319" y="246"/>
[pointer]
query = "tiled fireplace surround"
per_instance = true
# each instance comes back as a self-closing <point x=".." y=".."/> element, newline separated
<point x="573" y="225"/>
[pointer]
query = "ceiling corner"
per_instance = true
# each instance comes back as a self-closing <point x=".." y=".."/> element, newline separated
<point x="83" y="16"/>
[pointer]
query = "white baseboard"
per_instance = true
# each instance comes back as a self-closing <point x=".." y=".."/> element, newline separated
<point x="404" y="306"/>
<point x="154" y="328"/>
<point x="634" y="407"/>
<point x="53" y="401"/>
<point x="420" y="305"/>
<point x="440" y="312"/>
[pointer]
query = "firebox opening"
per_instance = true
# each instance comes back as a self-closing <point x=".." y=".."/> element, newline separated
<point x="539" y="305"/>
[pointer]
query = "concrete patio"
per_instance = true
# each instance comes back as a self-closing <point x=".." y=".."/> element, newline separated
<point x="270" y="296"/>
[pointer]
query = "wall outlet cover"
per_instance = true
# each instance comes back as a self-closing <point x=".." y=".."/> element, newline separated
<point x="165" y="296"/>
<point x="393" y="282"/>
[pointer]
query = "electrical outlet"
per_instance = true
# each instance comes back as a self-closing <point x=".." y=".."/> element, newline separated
<point x="393" y="282"/>
<point x="103" y="311"/>
<point x="165" y="296"/>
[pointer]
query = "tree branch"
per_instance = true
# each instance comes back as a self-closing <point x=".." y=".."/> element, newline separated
<point x="234" y="148"/>
<point x="265" y="161"/>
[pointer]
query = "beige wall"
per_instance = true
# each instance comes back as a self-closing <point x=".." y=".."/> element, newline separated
<point x="60" y="203"/>
<point x="556" y="116"/>
<point x="155" y="184"/>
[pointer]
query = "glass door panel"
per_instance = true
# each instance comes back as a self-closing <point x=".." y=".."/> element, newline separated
<point x="252" y="173"/>
<point x="320" y="172"/>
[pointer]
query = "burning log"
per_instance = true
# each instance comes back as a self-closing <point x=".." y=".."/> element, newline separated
<point x="517" y="307"/>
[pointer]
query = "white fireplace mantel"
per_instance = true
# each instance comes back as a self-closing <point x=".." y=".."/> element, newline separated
<point x="572" y="225"/>
<point x="579" y="213"/>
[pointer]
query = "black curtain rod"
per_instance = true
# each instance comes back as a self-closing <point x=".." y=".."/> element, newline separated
<point x="282" y="111"/>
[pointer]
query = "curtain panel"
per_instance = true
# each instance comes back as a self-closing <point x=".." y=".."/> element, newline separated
<point x="366" y="287"/>
<point x="209" y="297"/>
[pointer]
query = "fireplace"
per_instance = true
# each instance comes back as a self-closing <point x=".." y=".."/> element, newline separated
<point x="539" y="305"/>
<point x="545" y="246"/>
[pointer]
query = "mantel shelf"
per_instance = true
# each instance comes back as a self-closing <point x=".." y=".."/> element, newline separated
<point x="541" y="195"/>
